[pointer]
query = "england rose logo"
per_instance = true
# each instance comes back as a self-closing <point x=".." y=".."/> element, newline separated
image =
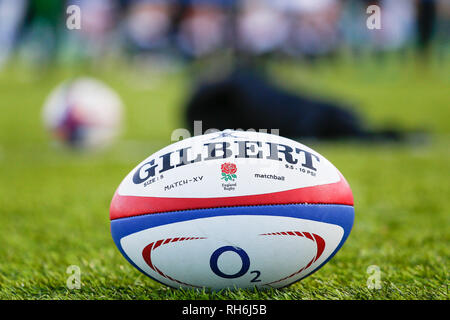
<point x="228" y="171"/>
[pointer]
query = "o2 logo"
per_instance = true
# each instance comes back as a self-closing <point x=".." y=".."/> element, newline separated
<point x="245" y="259"/>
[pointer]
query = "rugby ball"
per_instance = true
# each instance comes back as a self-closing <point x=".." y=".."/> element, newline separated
<point x="231" y="209"/>
<point x="83" y="113"/>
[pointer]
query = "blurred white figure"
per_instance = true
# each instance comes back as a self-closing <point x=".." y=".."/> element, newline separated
<point x="83" y="113"/>
<point x="97" y="16"/>
<point x="12" y="13"/>
<point x="203" y="30"/>
<point x="147" y="23"/>
<point x="97" y="36"/>
<point x="314" y="29"/>
<point x="305" y="6"/>
<point x="397" y="24"/>
<point x="262" y="28"/>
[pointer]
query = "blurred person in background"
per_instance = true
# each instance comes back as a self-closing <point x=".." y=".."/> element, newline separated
<point x="261" y="27"/>
<point x="442" y="28"/>
<point x="98" y="36"/>
<point x="352" y="25"/>
<point x="398" y="18"/>
<point x="12" y="14"/>
<point x="148" y="26"/>
<point x="39" y="39"/>
<point x="314" y="27"/>
<point x="203" y="28"/>
<point x="426" y="23"/>
<point x="398" y="26"/>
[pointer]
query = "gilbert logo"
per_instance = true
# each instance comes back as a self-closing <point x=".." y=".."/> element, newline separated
<point x="228" y="171"/>
<point x="238" y="149"/>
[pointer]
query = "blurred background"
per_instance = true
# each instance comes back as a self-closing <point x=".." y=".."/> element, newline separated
<point x="376" y="103"/>
<point x="183" y="30"/>
<point x="230" y="51"/>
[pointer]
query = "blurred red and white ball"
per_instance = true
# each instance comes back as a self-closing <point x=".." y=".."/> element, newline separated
<point x="83" y="113"/>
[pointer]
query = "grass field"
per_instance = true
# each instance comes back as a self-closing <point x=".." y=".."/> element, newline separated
<point x="54" y="204"/>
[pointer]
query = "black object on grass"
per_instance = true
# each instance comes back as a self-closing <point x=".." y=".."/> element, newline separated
<point x="247" y="100"/>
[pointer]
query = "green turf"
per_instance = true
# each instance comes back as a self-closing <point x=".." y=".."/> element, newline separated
<point x="54" y="203"/>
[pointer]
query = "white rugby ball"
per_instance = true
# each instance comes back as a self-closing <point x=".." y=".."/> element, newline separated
<point x="231" y="209"/>
<point x="84" y="113"/>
